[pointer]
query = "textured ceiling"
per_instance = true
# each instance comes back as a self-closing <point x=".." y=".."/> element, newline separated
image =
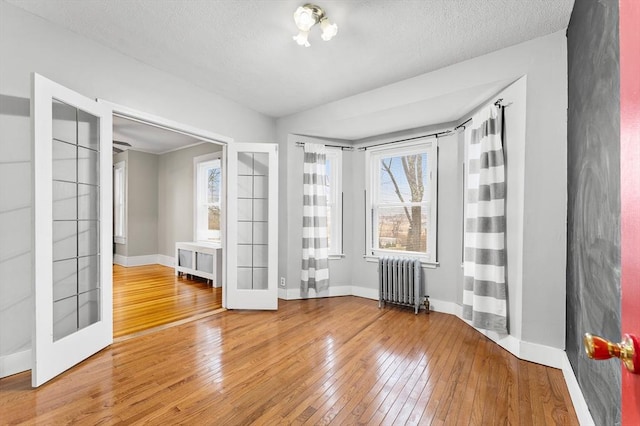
<point x="147" y="138"/>
<point x="243" y="50"/>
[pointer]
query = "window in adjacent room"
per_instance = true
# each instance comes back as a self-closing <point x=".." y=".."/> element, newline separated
<point x="334" y="200"/>
<point x="402" y="205"/>
<point x="119" y="200"/>
<point x="208" y="176"/>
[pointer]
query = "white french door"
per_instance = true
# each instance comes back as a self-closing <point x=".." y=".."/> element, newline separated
<point x="73" y="218"/>
<point x="252" y="226"/>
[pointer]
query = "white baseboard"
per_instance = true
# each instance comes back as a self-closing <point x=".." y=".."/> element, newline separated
<point x="366" y="292"/>
<point x="341" y="290"/>
<point x="579" y="403"/>
<point x="282" y="293"/>
<point x="15" y="363"/>
<point x="528" y="351"/>
<point x="150" y="259"/>
<point x="445" y="307"/>
<point x="165" y="260"/>
<point x="294" y="293"/>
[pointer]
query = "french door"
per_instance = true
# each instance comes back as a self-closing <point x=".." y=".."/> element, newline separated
<point x="252" y="226"/>
<point x="72" y="222"/>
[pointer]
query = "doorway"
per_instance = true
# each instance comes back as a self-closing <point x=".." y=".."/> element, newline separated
<point x="156" y="196"/>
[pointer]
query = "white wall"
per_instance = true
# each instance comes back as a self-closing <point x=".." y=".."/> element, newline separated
<point x="28" y="44"/>
<point x="537" y="253"/>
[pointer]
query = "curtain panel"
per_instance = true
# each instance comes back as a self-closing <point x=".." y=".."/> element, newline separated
<point x="485" y="289"/>
<point x="315" y="245"/>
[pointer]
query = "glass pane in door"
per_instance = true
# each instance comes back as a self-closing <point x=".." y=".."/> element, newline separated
<point x="253" y="168"/>
<point x="76" y="219"/>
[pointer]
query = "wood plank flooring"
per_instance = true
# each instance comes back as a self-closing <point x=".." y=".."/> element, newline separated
<point x="148" y="296"/>
<point x="321" y="361"/>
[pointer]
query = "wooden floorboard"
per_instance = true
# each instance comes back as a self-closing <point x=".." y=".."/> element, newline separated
<point x="145" y="297"/>
<point x="322" y="361"/>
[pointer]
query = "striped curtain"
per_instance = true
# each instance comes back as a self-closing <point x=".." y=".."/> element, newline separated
<point x="315" y="251"/>
<point x="484" y="296"/>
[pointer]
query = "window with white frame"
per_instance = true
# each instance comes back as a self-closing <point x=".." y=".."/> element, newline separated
<point x="334" y="200"/>
<point x="208" y="185"/>
<point x="119" y="203"/>
<point x="402" y="204"/>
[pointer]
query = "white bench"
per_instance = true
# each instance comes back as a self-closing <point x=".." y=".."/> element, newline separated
<point x="200" y="259"/>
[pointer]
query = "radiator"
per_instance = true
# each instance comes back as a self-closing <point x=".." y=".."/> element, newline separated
<point x="399" y="282"/>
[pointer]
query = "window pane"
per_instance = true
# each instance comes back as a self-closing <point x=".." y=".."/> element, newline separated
<point x="64" y="122"/>
<point x="402" y="229"/>
<point x="65" y="317"/>
<point x="214" y="218"/>
<point x="88" y="308"/>
<point x="403" y="179"/>
<point x="213" y="184"/>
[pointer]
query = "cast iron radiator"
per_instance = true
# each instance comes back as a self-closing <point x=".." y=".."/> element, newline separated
<point x="399" y="282"/>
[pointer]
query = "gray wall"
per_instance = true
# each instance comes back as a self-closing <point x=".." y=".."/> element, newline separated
<point x="537" y="255"/>
<point x="30" y="44"/>
<point x="141" y="204"/>
<point x="593" y="235"/>
<point x="15" y="224"/>
<point x="175" y="196"/>
<point x="160" y="199"/>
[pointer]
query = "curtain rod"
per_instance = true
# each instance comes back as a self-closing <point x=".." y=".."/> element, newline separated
<point x="498" y="103"/>
<point x="446" y="132"/>
<point x="348" y="148"/>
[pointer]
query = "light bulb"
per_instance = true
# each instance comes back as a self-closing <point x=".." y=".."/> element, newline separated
<point x="329" y="30"/>
<point x="304" y="18"/>
<point x="302" y="38"/>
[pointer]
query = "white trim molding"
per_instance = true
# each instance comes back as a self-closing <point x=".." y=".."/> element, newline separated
<point x="15" y="363"/>
<point x="335" y="291"/>
<point x="579" y="403"/>
<point x="165" y="260"/>
<point x="150" y="259"/>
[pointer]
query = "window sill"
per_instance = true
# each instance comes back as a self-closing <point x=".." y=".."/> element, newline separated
<point x="120" y="240"/>
<point x="425" y="263"/>
<point x="337" y="256"/>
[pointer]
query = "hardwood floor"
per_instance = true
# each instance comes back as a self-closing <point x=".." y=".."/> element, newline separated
<point x="320" y="361"/>
<point x="145" y="297"/>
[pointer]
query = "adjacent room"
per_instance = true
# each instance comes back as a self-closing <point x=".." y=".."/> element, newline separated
<point x="354" y="212"/>
<point x="166" y="197"/>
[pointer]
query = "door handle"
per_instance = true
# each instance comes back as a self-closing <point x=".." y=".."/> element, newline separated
<point x="628" y="351"/>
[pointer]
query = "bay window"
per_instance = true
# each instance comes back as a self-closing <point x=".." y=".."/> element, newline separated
<point x="402" y="199"/>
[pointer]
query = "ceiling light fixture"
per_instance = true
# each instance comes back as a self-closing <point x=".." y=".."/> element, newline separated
<point x="306" y="17"/>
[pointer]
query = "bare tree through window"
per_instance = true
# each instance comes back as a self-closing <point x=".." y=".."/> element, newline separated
<point x="411" y="176"/>
<point x="213" y="196"/>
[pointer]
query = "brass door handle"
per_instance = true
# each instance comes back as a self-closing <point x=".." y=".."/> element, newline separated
<point x="628" y="350"/>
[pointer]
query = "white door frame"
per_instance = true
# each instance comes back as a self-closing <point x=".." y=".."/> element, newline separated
<point x="185" y="129"/>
